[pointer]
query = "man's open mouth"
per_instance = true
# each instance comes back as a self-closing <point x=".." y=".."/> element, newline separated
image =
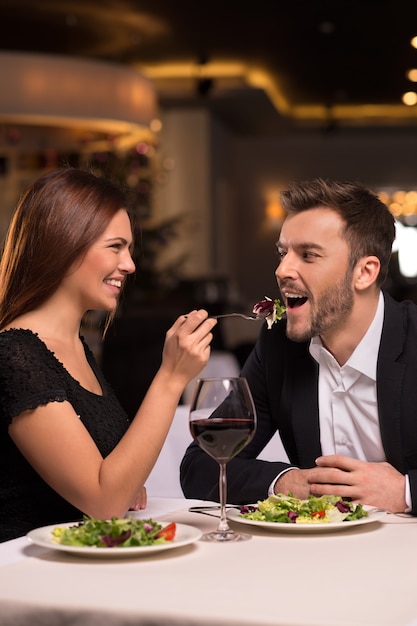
<point x="294" y="301"/>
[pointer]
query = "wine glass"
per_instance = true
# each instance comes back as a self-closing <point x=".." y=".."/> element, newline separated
<point x="222" y="421"/>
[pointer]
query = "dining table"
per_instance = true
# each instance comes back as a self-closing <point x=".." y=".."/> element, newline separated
<point x="346" y="575"/>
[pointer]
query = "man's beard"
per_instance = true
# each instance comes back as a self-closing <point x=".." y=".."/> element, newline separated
<point x="335" y="305"/>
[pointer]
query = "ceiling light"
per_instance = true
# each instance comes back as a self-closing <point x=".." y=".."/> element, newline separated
<point x="52" y="90"/>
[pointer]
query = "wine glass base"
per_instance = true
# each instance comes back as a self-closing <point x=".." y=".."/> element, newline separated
<point x="226" y="536"/>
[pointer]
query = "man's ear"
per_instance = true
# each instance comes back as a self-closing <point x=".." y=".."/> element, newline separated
<point x="366" y="272"/>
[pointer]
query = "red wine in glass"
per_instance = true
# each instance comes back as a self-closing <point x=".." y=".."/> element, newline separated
<point x="222" y="421"/>
<point x="222" y="437"/>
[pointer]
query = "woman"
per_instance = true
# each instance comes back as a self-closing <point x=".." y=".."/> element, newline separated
<point x="66" y="447"/>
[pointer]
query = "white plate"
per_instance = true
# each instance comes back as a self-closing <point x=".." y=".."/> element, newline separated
<point x="374" y="515"/>
<point x="43" y="537"/>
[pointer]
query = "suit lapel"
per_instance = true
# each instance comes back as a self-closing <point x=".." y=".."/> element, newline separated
<point x="390" y="376"/>
<point x="305" y="410"/>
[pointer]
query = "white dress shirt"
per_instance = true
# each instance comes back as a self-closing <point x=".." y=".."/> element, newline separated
<point x="348" y="408"/>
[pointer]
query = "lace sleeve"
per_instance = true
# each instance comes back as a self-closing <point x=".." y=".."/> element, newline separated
<point x="30" y="375"/>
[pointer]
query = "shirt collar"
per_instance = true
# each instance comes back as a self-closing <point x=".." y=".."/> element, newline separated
<point x="365" y="356"/>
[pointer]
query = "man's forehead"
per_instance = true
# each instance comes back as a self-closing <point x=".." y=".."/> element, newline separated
<point x="311" y="227"/>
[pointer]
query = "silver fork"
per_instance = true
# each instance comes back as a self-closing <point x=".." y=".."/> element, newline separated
<point x="209" y="510"/>
<point x="245" y="317"/>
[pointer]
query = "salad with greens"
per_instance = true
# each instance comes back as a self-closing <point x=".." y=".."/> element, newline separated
<point x="315" y="510"/>
<point x="119" y="533"/>
<point x="270" y="310"/>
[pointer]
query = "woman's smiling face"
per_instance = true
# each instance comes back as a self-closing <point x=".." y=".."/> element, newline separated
<point x="96" y="282"/>
<point x="314" y="275"/>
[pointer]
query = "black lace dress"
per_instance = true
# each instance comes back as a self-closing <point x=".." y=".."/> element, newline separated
<point x="30" y="376"/>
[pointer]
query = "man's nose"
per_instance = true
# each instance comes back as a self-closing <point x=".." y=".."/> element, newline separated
<point x="286" y="267"/>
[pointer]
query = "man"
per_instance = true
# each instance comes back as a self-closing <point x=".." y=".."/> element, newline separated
<point x="338" y="377"/>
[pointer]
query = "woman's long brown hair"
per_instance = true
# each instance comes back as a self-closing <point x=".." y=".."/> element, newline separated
<point x="55" y="222"/>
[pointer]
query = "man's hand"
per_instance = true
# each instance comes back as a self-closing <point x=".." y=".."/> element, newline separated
<point x="294" y="481"/>
<point x="375" y="484"/>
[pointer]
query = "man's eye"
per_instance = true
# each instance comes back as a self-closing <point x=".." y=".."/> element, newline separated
<point x="280" y="254"/>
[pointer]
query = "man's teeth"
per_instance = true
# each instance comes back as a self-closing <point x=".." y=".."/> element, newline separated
<point x="294" y="300"/>
<point x="114" y="283"/>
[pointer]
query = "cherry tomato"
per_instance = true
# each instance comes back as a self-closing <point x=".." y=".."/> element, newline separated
<point x="318" y="514"/>
<point x="168" y="532"/>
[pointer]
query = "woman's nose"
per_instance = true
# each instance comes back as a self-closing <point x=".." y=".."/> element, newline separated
<point x="127" y="264"/>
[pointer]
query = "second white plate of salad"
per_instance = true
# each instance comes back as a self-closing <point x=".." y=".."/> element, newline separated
<point x="316" y="514"/>
<point x="373" y="516"/>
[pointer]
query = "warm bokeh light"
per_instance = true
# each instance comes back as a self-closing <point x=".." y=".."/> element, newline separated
<point x="155" y="125"/>
<point x="410" y="98"/>
<point x="411" y="197"/>
<point x="402" y="204"/>
<point x="384" y="196"/>
<point x="412" y="75"/>
<point x="414" y="42"/>
<point x="274" y="212"/>
<point x="399" y="196"/>
<point x="395" y="209"/>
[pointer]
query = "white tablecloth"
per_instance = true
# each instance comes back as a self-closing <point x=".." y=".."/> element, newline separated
<point x="361" y="576"/>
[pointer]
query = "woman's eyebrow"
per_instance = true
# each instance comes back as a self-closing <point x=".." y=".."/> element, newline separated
<point x="121" y="239"/>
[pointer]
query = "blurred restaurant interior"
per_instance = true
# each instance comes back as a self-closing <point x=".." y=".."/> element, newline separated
<point x="203" y="113"/>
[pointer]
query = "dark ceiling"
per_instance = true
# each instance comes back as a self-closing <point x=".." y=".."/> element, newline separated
<point x="326" y="61"/>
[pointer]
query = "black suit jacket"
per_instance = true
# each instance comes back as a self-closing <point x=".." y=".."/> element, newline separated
<point x="283" y="378"/>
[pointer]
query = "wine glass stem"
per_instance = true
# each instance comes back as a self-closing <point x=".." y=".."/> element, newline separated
<point x="223" y="524"/>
